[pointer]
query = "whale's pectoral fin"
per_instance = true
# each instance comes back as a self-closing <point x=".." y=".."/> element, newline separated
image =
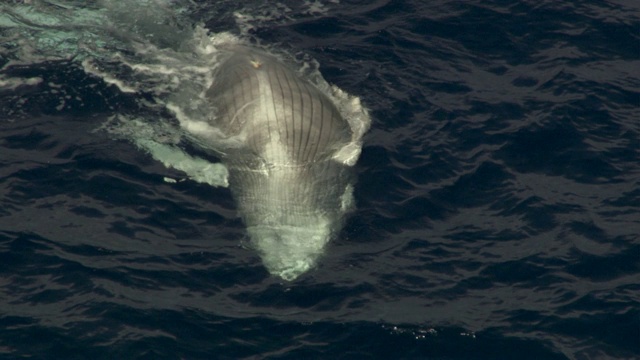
<point x="348" y="154"/>
<point x="199" y="170"/>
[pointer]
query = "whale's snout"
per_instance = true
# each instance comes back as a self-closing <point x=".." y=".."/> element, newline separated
<point x="289" y="251"/>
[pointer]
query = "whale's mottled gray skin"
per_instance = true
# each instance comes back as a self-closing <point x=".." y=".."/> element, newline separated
<point x="291" y="192"/>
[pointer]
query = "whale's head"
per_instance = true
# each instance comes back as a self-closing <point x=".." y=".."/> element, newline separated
<point x="290" y="219"/>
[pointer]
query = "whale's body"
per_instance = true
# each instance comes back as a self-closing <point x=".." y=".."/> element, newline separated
<point x="283" y="119"/>
<point x="289" y="165"/>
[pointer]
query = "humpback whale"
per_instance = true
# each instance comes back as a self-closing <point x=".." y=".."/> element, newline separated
<point x="290" y="162"/>
<point x="287" y="150"/>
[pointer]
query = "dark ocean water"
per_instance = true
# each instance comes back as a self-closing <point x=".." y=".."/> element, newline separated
<point x="498" y="200"/>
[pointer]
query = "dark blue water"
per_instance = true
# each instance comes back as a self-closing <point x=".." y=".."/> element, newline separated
<point x="498" y="201"/>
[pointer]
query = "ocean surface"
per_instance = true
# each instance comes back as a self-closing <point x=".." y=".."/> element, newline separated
<point x="497" y="203"/>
